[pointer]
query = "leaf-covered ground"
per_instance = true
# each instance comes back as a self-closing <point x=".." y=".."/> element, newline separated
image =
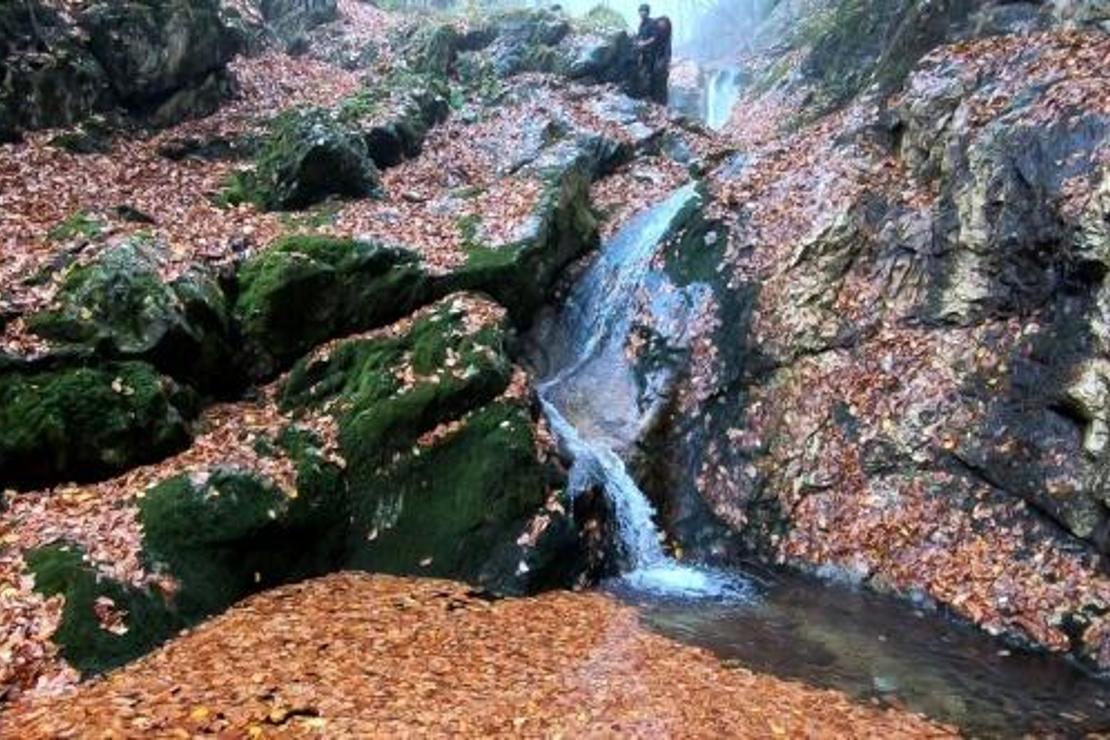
<point x="374" y="656"/>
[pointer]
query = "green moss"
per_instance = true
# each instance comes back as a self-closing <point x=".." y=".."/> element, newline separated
<point x="234" y="533"/>
<point x="307" y="289"/>
<point x="378" y="415"/>
<point x="363" y="104"/>
<point x="236" y="191"/>
<point x="84" y="423"/>
<point x="81" y="225"/>
<point x="120" y="293"/>
<point x="147" y="618"/>
<point x="120" y="306"/>
<point x="444" y="510"/>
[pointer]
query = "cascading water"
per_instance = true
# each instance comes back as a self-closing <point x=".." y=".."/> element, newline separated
<point x="722" y="92"/>
<point x="591" y="397"/>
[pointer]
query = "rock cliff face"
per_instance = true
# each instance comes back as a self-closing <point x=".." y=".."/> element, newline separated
<point x="914" y="397"/>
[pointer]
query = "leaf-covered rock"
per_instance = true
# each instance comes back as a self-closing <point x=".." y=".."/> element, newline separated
<point x="119" y="305"/>
<point x="309" y="156"/>
<point x="443" y="479"/>
<point x="520" y="275"/>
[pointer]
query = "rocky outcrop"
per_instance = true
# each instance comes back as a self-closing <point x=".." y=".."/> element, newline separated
<point x="306" y="290"/>
<point x="120" y="307"/>
<point x="310" y="155"/>
<point x="436" y="469"/>
<point x="85" y="423"/>
<point x="509" y="43"/>
<point x="158" y="53"/>
<point x="162" y="60"/>
<point x="907" y="389"/>
<point x="828" y="52"/>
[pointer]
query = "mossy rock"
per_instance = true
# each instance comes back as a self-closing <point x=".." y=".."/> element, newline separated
<point x="309" y="156"/>
<point x="456" y="507"/>
<point x="120" y="306"/>
<point x="218" y="537"/>
<point x="445" y="510"/>
<point x="148" y="617"/>
<point x="432" y="49"/>
<point x="230" y="533"/>
<point x="454" y="370"/>
<point x="84" y="423"/>
<point x="418" y="102"/>
<point x="307" y="289"/>
<point x="521" y="275"/>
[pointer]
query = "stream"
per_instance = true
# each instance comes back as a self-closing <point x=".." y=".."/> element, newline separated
<point x="872" y="647"/>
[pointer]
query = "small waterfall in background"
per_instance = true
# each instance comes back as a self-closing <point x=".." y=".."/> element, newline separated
<point x="591" y="397"/>
<point x="722" y="92"/>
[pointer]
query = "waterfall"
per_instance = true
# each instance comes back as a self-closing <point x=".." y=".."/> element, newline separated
<point x="591" y="396"/>
<point x="721" y="94"/>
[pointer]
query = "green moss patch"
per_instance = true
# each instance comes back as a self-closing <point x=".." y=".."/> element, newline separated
<point x="231" y="533"/>
<point x="92" y="645"/>
<point x="307" y="289"/>
<point x="442" y="511"/>
<point x="84" y="423"/>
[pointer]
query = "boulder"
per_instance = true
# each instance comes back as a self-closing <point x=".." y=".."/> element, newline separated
<point x="227" y="533"/>
<point x="151" y="49"/>
<point x="309" y="156"/>
<point x="120" y="306"/>
<point x="85" y="423"/>
<point x="305" y="290"/>
<point x="210" y="537"/>
<point x="522" y="273"/>
<point x="396" y="115"/>
<point x="443" y="471"/>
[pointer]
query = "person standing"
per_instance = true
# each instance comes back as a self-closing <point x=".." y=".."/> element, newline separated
<point x="653" y="41"/>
